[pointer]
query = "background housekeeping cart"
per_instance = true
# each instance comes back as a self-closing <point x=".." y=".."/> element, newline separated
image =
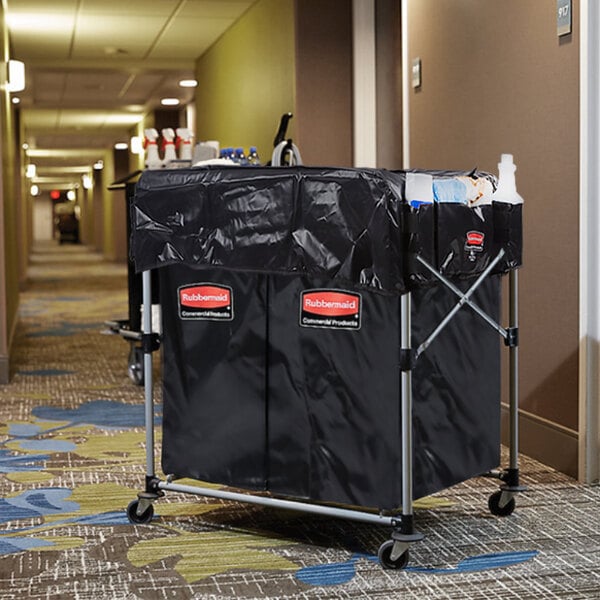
<point x="130" y="329"/>
<point x="313" y="340"/>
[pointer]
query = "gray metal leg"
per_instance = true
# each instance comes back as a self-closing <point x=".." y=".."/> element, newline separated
<point x="513" y="283"/>
<point x="141" y="510"/>
<point x="502" y="503"/>
<point x="148" y="383"/>
<point x="394" y="553"/>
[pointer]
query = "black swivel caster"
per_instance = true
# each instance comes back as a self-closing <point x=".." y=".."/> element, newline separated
<point x="142" y="519"/>
<point x="496" y="509"/>
<point x="385" y="556"/>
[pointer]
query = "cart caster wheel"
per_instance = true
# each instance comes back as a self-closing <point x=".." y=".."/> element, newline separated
<point x="142" y="519"/>
<point x="385" y="556"/>
<point x="135" y="368"/>
<point x="496" y="509"/>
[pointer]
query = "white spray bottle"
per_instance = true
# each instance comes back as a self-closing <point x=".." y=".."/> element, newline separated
<point x="184" y="142"/>
<point x="150" y="145"/>
<point x="168" y="136"/>
<point x="507" y="187"/>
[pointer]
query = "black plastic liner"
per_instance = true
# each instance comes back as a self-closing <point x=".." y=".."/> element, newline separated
<point x="352" y="226"/>
<point x="262" y="402"/>
<point x="342" y="224"/>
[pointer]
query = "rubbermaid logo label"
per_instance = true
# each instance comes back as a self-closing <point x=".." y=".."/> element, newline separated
<point x="205" y="301"/>
<point x="474" y="244"/>
<point x="330" y="309"/>
<point x="475" y="239"/>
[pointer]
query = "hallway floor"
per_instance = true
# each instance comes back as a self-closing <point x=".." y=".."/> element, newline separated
<point x="72" y="458"/>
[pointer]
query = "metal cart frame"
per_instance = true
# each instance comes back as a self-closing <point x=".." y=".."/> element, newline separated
<point x="393" y="553"/>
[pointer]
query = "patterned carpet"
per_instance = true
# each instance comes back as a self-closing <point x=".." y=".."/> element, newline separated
<point x="72" y="458"/>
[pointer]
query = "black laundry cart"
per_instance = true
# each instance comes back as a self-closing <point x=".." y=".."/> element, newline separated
<point x="317" y="343"/>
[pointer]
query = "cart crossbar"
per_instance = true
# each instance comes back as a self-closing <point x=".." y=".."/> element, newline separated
<point x="318" y="509"/>
<point x="464" y="299"/>
<point x="501" y="330"/>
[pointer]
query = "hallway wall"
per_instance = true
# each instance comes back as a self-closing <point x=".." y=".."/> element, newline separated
<point x="496" y="78"/>
<point x="281" y="56"/>
<point x="9" y="214"/>
<point x="323" y="71"/>
<point x="247" y="79"/>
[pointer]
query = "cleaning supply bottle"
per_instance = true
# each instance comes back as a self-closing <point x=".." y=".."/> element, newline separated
<point x="507" y="187"/>
<point x="184" y="143"/>
<point x="240" y="157"/>
<point x="253" y="158"/>
<point x="168" y="136"/>
<point x="153" y="160"/>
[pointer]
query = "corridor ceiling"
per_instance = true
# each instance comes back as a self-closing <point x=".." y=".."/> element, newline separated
<point x="95" y="67"/>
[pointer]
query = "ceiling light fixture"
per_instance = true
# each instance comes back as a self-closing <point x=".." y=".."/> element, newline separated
<point x="188" y="83"/>
<point x="34" y="190"/>
<point x="99" y="165"/>
<point x="169" y="101"/>
<point x="15" y="100"/>
<point x="121" y="146"/>
<point x="31" y="171"/>
<point x="16" y="76"/>
<point x="71" y="195"/>
<point x="87" y="182"/>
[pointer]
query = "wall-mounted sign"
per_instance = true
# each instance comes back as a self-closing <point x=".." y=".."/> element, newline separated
<point x="563" y="17"/>
<point x="416" y="73"/>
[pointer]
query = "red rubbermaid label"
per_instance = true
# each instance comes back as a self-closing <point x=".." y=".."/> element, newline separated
<point x="475" y="240"/>
<point x="205" y="301"/>
<point x="331" y="309"/>
<point x="474" y="244"/>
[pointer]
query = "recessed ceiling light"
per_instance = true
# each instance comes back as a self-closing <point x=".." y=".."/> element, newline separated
<point x="188" y="83"/>
<point x="15" y="100"/>
<point x="121" y="146"/>
<point x="169" y="101"/>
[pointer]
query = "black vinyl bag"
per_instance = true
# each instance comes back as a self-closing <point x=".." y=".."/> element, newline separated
<point x="262" y="402"/>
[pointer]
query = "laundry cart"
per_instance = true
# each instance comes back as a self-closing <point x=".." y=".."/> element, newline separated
<point x="325" y="340"/>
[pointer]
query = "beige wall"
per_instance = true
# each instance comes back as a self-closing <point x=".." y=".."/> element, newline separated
<point x="9" y="223"/>
<point x="323" y="106"/>
<point x="388" y="49"/>
<point x="496" y="78"/>
<point x="281" y="56"/>
<point x="246" y="79"/>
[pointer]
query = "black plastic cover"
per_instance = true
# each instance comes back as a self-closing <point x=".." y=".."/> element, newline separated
<point x="342" y="224"/>
<point x="348" y="225"/>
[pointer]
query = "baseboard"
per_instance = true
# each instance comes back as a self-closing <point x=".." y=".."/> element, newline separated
<point x="548" y="442"/>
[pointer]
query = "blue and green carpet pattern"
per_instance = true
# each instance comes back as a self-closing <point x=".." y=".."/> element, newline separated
<point x="72" y="457"/>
